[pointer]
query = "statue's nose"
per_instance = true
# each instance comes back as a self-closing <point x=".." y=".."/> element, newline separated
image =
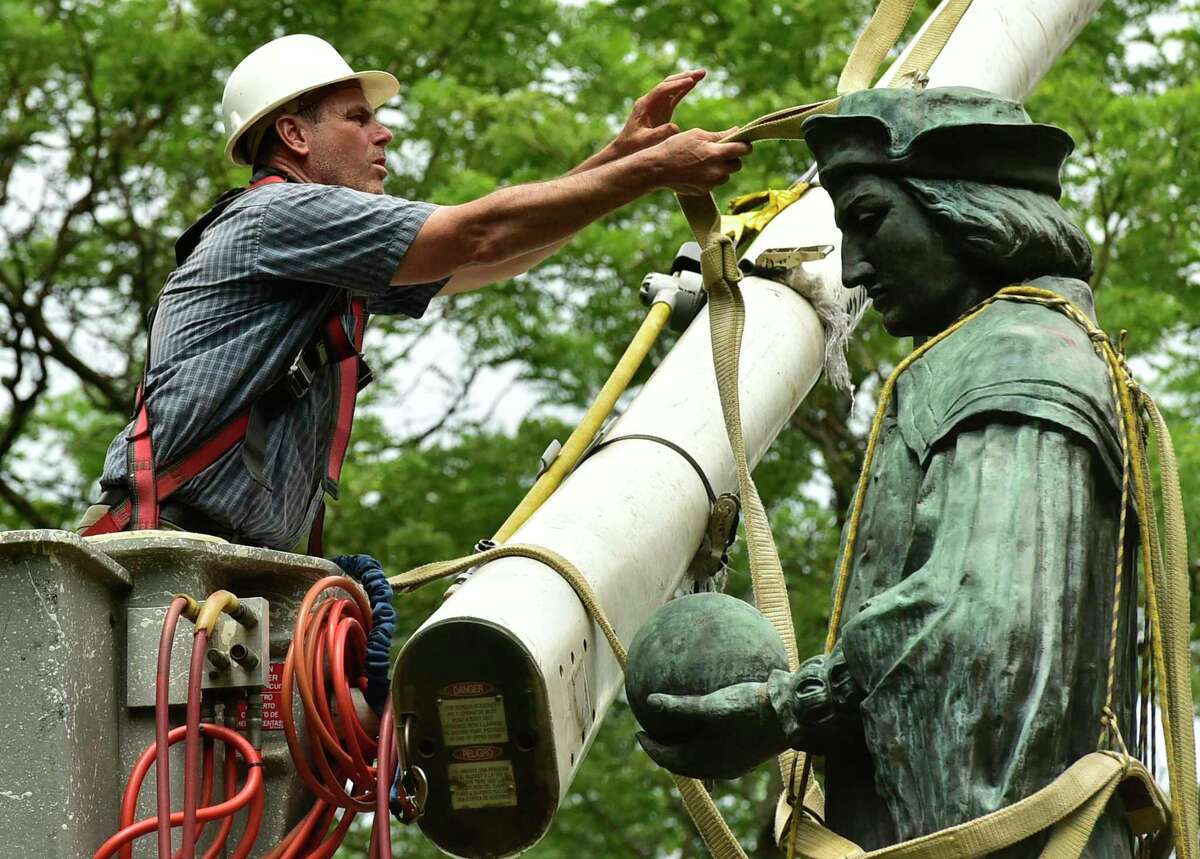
<point x="856" y="271"/>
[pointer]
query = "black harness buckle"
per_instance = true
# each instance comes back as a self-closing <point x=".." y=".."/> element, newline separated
<point x="305" y="368"/>
<point x="365" y="374"/>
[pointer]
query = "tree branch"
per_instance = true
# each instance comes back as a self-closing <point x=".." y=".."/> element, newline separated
<point x="455" y="406"/>
<point x="22" y="507"/>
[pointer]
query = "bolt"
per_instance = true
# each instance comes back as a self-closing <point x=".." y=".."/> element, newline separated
<point x="244" y="657"/>
<point x="244" y="615"/>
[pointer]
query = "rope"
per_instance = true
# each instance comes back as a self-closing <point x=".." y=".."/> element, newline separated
<point x="1119" y="574"/>
<point x="720" y="840"/>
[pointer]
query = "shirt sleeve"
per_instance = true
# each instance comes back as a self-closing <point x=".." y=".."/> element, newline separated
<point x="336" y="236"/>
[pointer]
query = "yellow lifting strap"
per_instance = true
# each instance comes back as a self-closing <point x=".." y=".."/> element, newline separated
<point x="727" y="320"/>
<point x="750" y="213"/>
<point x="1071" y="804"/>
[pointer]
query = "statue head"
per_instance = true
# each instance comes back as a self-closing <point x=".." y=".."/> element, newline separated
<point x="943" y="196"/>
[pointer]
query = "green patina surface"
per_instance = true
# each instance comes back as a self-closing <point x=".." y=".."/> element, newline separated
<point x="973" y="652"/>
<point x="977" y="619"/>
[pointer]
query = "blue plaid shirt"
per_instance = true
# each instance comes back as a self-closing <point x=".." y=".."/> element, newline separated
<point x="264" y="277"/>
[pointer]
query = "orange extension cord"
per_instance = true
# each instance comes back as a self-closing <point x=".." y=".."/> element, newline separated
<point x="325" y="661"/>
<point x="328" y="652"/>
<point x="193" y="817"/>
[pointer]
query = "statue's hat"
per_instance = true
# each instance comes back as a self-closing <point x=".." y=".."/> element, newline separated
<point x="940" y="133"/>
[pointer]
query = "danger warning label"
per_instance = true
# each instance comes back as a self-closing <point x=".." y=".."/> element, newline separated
<point x="473" y="721"/>
<point x="482" y="785"/>
<point x="272" y="718"/>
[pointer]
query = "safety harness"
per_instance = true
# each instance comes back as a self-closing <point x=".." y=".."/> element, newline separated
<point x="152" y="483"/>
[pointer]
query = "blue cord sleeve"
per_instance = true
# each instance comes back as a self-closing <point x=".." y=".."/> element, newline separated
<point x="369" y="573"/>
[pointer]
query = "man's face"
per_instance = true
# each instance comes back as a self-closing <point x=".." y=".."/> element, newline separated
<point x="348" y="143"/>
<point x="892" y="250"/>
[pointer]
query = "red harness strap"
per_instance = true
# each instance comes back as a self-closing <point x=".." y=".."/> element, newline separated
<point x="141" y="469"/>
<point x="348" y="387"/>
<point x="151" y="487"/>
<point x="170" y="478"/>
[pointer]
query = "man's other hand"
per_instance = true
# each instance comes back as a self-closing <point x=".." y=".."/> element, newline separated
<point x="694" y="162"/>
<point x="650" y="122"/>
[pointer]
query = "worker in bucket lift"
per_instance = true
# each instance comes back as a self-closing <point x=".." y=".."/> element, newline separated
<point x="254" y="356"/>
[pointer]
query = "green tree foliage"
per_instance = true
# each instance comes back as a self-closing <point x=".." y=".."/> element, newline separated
<point x="110" y="145"/>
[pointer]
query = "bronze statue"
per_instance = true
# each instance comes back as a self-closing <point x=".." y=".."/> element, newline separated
<point x="972" y="656"/>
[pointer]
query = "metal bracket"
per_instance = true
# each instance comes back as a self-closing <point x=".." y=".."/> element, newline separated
<point x="682" y="288"/>
<point x="548" y="456"/>
<point x="784" y="259"/>
<point x="719" y="535"/>
<point x="237" y="658"/>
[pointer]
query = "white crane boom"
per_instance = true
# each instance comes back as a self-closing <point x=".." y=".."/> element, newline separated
<point x="509" y="678"/>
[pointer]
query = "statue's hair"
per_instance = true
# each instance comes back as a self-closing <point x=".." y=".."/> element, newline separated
<point x="1015" y="232"/>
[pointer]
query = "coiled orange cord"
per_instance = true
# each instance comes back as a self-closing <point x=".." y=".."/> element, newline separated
<point x="325" y="662"/>
<point x="250" y="795"/>
<point x="327" y="655"/>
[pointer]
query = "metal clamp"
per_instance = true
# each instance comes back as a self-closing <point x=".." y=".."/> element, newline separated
<point x="682" y="288"/>
<point x="410" y="790"/>
<point x="719" y="535"/>
<point x="546" y="459"/>
<point x="301" y="374"/>
<point x="784" y="259"/>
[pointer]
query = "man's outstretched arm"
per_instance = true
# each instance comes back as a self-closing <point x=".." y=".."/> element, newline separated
<point x="516" y="221"/>
<point x="648" y="126"/>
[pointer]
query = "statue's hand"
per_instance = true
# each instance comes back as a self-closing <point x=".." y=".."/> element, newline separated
<point x="727" y="732"/>
<point x="817" y="705"/>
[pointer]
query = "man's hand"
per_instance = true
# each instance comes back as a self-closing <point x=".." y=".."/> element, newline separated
<point x="694" y="162"/>
<point x="691" y="162"/>
<point x="650" y="122"/>
<point x="727" y="732"/>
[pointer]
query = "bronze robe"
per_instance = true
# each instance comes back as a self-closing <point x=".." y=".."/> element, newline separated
<point x="978" y="614"/>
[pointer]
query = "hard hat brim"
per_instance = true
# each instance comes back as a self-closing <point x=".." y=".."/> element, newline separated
<point x="378" y="88"/>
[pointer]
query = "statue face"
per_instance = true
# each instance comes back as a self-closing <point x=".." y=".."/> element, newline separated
<point x="892" y="249"/>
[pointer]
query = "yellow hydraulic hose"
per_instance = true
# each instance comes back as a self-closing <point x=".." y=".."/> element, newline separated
<point x="211" y="608"/>
<point x="599" y="411"/>
<point x="192" y="610"/>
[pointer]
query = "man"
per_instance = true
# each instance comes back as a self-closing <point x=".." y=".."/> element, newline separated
<point x="972" y="658"/>
<point x="244" y="413"/>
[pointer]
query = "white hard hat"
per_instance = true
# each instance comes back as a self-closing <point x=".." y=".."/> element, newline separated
<point x="282" y="70"/>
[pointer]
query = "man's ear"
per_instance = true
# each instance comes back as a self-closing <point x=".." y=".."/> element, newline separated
<point x="293" y="133"/>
